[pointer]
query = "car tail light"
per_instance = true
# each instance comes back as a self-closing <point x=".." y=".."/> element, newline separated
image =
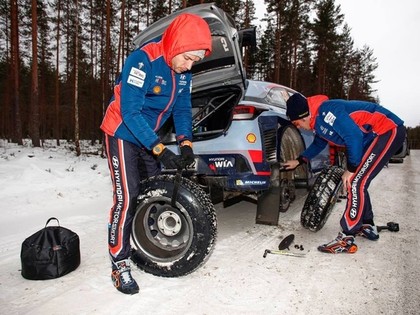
<point x="243" y="112"/>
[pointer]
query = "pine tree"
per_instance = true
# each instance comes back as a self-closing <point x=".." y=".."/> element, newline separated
<point x="325" y="29"/>
<point x="16" y="133"/>
<point x="34" y="117"/>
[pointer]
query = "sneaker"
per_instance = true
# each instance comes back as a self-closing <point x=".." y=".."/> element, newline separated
<point x="342" y="244"/>
<point x="369" y="231"/>
<point x="121" y="277"/>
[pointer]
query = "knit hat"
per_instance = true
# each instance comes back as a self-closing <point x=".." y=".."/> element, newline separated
<point x="199" y="53"/>
<point x="297" y="107"/>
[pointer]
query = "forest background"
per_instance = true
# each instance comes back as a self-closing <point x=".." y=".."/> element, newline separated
<point x="80" y="47"/>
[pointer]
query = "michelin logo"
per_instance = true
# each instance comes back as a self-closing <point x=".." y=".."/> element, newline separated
<point x="250" y="182"/>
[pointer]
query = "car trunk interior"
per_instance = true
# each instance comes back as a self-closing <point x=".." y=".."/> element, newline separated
<point x="211" y="111"/>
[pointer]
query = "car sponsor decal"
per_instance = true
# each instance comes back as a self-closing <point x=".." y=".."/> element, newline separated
<point x="216" y="163"/>
<point x="240" y="182"/>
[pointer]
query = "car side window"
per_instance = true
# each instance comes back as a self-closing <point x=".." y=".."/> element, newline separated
<point x="277" y="97"/>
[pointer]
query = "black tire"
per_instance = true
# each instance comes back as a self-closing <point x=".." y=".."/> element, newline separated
<point x="287" y="194"/>
<point x="172" y="241"/>
<point x="291" y="144"/>
<point x="321" y="198"/>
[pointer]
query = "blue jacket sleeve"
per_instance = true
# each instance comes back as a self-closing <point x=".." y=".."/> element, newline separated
<point x="135" y="81"/>
<point x="182" y="114"/>
<point x="314" y="148"/>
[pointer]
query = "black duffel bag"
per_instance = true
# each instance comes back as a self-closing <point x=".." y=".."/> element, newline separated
<point x="50" y="253"/>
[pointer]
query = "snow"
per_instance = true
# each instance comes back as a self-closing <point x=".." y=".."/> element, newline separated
<point x="381" y="278"/>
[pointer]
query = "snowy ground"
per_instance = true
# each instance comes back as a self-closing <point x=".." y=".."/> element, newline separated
<point x="381" y="278"/>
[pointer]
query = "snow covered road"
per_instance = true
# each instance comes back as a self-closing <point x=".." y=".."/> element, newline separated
<point x="381" y="278"/>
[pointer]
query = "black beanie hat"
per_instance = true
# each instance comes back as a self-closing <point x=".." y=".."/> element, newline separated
<point x="297" y="107"/>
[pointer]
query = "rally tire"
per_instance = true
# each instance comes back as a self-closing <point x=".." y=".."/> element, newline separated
<point x="291" y="145"/>
<point x="172" y="237"/>
<point x="287" y="194"/>
<point x="321" y="198"/>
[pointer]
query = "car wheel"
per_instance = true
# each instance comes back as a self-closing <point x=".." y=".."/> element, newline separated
<point x="321" y="198"/>
<point x="287" y="194"/>
<point x="174" y="227"/>
<point x="291" y="145"/>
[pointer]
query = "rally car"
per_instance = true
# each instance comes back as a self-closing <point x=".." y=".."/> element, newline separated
<point x="241" y="133"/>
<point x="241" y="137"/>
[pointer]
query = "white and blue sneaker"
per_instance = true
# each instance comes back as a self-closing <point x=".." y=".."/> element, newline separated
<point x="369" y="231"/>
<point x="122" y="279"/>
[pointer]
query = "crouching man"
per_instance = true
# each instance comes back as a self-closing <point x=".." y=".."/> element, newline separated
<point x="371" y="135"/>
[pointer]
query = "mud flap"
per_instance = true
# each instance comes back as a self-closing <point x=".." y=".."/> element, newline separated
<point x="268" y="207"/>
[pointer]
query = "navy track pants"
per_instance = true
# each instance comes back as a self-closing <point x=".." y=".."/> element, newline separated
<point x="128" y="165"/>
<point x="359" y="208"/>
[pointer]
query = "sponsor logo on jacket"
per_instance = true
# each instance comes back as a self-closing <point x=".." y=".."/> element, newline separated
<point x="330" y="118"/>
<point x="182" y="79"/>
<point x="136" y="77"/>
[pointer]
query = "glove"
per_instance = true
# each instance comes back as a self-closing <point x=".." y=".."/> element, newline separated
<point x="165" y="156"/>
<point x="187" y="154"/>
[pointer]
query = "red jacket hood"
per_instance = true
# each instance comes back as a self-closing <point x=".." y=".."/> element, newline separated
<point x="314" y="102"/>
<point x="186" y="32"/>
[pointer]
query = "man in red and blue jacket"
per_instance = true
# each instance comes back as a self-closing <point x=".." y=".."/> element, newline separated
<point x="155" y="84"/>
<point x="371" y="135"/>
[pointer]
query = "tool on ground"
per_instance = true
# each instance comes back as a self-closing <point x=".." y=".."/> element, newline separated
<point x="282" y="252"/>
<point x="390" y="226"/>
<point x="285" y="243"/>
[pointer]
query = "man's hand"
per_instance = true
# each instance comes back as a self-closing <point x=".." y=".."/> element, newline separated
<point x="347" y="178"/>
<point x="291" y="164"/>
<point x="165" y="156"/>
<point x="187" y="153"/>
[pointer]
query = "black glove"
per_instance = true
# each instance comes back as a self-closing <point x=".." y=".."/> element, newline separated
<point x="169" y="159"/>
<point x="187" y="155"/>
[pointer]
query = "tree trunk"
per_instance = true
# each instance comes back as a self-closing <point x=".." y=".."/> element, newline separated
<point x="57" y="79"/>
<point x="277" y="52"/>
<point x="76" y="82"/>
<point x="34" y="119"/>
<point x="14" y="54"/>
<point x="120" y="55"/>
<point x="107" y="53"/>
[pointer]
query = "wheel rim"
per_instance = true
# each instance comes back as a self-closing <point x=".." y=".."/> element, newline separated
<point x="160" y="231"/>
<point x="284" y="195"/>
